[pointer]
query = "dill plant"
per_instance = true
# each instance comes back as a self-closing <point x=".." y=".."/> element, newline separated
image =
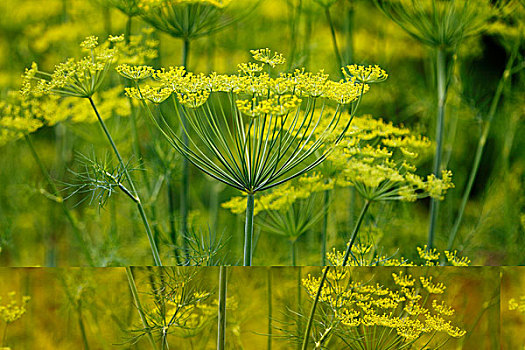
<point x="187" y="20"/>
<point x="249" y="130"/>
<point x="82" y="78"/>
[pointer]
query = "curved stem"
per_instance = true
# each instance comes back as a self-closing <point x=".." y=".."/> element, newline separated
<point x="440" y="125"/>
<point x="221" y="326"/>
<point x="248" y="230"/>
<point x="67" y="212"/>
<point x="138" y="305"/>
<point x="356" y="230"/>
<point x="140" y="208"/>
<point x="312" y="311"/>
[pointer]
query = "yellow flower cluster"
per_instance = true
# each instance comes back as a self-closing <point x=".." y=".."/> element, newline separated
<point x="83" y="77"/>
<point x="518" y="305"/>
<point x="267" y="95"/>
<point x="14" y="309"/>
<point x="366" y="75"/>
<point x="134" y="72"/>
<point x="365" y="307"/>
<point x="19" y="117"/>
<point x="281" y="197"/>
<point x="379" y="159"/>
<point x="268" y="57"/>
<point x="366" y="255"/>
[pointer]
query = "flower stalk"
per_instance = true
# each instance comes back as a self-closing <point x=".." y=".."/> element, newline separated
<point x="248" y="230"/>
<point x="355" y="232"/>
<point x="221" y="326"/>
<point x="440" y="126"/>
<point x="135" y="197"/>
<point x="138" y="305"/>
<point x="312" y="311"/>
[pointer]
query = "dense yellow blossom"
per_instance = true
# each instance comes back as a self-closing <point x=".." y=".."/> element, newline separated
<point x="364" y="308"/>
<point x="13" y="309"/>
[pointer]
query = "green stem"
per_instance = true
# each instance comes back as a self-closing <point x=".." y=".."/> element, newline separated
<point x="296" y="15"/>
<point x="350" y="32"/>
<point x="324" y="228"/>
<point x="299" y="319"/>
<point x="4" y="337"/>
<point x="171" y="209"/>
<point x="355" y="232"/>
<point x="292" y="251"/>
<point x="140" y="208"/>
<point x="269" y="276"/>
<point x="185" y="185"/>
<point x="481" y="146"/>
<point x="440" y="125"/>
<point x="334" y="38"/>
<point x="66" y="210"/>
<point x="248" y="230"/>
<point x="214" y="205"/>
<point x="127" y="33"/>
<point x="221" y="326"/>
<point x="312" y="311"/>
<point x="81" y="326"/>
<point x="138" y="305"/>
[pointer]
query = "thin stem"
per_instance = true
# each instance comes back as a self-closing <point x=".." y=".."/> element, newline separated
<point x="4" y="337"/>
<point x="481" y="146"/>
<point x="81" y="326"/>
<point x="356" y="230"/>
<point x="312" y="311"/>
<point x="185" y="184"/>
<point x="248" y="230"/>
<point x="138" y="305"/>
<point x="350" y="32"/>
<point x="140" y="208"/>
<point x="295" y="21"/>
<point x="221" y="326"/>
<point x="292" y="251"/>
<point x="171" y="209"/>
<point x="127" y="33"/>
<point x="334" y="38"/>
<point x="440" y="125"/>
<point x="269" y="276"/>
<point x="69" y="215"/>
<point x="324" y="228"/>
<point x="299" y="286"/>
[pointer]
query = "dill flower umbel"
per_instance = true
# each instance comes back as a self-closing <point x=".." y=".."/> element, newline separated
<point x="13" y="309"/>
<point x="270" y="131"/>
<point x="404" y="313"/>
